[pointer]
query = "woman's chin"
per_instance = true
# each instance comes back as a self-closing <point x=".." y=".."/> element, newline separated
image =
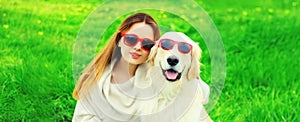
<point x="136" y="61"/>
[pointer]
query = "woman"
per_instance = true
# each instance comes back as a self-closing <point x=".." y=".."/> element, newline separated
<point x="116" y="64"/>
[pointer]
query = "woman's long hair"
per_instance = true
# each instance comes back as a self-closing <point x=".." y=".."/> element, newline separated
<point x="93" y="72"/>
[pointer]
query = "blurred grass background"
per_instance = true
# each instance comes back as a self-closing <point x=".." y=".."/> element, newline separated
<point x="261" y="39"/>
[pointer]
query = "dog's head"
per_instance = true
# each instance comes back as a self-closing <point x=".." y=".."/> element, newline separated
<point x="177" y="56"/>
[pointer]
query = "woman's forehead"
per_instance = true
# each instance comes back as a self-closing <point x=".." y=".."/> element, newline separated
<point x="142" y="30"/>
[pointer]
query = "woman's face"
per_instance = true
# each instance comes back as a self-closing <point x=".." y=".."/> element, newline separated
<point x="136" y="54"/>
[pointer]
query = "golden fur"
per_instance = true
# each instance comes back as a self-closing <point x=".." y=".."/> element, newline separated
<point x="187" y="87"/>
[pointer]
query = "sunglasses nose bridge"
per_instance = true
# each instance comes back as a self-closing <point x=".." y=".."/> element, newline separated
<point x="138" y="45"/>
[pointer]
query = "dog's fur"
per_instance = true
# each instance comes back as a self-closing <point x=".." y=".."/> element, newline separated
<point x="184" y="93"/>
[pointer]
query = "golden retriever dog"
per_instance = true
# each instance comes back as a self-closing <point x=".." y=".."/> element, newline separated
<point x="173" y="70"/>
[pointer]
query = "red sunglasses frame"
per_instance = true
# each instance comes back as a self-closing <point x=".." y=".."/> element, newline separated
<point x="175" y="42"/>
<point x="138" y="40"/>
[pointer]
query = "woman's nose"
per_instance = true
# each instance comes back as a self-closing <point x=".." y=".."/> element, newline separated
<point x="137" y="46"/>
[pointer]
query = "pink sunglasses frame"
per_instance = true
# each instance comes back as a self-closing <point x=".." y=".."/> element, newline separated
<point x="175" y="42"/>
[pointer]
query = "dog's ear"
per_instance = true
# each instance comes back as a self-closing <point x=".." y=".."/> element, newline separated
<point x="152" y="54"/>
<point x="194" y="69"/>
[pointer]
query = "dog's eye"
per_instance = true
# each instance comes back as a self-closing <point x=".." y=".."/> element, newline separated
<point x="167" y="44"/>
<point x="184" y="48"/>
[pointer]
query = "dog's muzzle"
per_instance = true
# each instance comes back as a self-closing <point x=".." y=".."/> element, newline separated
<point x="172" y="60"/>
<point x="171" y="74"/>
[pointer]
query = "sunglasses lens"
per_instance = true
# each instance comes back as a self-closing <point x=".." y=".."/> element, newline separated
<point x="130" y="40"/>
<point x="167" y="44"/>
<point x="184" y="48"/>
<point x="147" y="44"/>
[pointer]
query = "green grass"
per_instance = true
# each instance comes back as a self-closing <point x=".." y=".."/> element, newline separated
<point x="261" y="40"/>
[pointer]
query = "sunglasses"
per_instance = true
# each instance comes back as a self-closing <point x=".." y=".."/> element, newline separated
<point x="168" y="44"/>
<point x="132" y="39"/>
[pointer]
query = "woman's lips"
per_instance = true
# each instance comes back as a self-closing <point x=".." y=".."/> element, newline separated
<point x="135" y="55"/>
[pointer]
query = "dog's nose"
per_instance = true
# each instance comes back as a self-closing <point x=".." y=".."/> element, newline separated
<point x="172" y="60"/>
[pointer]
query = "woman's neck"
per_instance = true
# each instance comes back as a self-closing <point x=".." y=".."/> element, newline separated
<point x="123" y="71"/>
<point x="123" y="65"/>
